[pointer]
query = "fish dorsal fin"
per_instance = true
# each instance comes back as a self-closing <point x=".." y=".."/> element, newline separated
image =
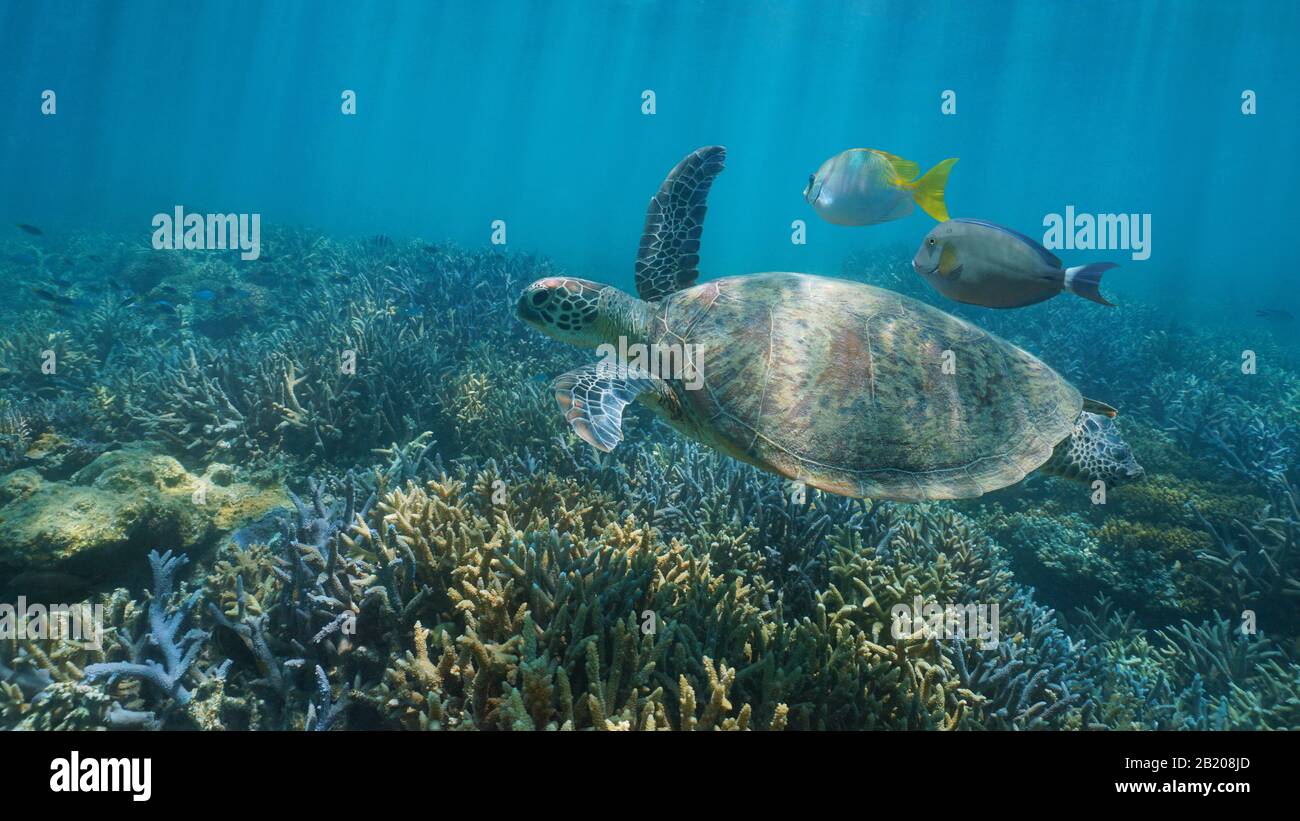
<point x="669" y="257"/>
<point x="905" y="170"/>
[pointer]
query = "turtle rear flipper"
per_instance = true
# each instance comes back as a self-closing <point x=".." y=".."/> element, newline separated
<point x="593" y="397"/>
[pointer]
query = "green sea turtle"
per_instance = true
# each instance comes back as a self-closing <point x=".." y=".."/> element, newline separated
<point x="852" y="389"/>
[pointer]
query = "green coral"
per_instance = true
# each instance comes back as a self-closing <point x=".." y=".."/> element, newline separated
<point x="1165" y="499"/>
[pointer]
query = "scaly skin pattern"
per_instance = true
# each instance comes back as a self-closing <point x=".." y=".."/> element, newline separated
<point x="842" y="386"/>
<point x="1095" y="450"/>
<point x="622" y="315"/>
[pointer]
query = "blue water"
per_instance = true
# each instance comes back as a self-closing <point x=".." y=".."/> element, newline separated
<point x="255" y="378"/>
<point x="530" y="112"/>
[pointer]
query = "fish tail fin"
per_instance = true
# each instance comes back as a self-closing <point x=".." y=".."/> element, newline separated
<point x="1085" y="280"/>
<point x="928" y="190"/>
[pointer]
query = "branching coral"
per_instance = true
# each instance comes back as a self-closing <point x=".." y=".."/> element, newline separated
<point x="166" y="621"/>
<point x="1206" y="676"/>
<point x="494" y="572"/>
<point x="1259" y="556"/>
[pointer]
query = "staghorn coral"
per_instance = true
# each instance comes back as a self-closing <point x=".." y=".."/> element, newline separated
<point x="41" y="683"/>
<point x="1253" y="562"/>
<point x="192" y="400"/>
<point x="166" y="621"/>
<point x="477" y="568"/>
<point x="1205" y="676"/>
<point x="496" y="573"/>
<point x="363" y="363"/>
<point x="517" y="645"/>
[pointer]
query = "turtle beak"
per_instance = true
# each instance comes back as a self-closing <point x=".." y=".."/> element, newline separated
<point x="524" y="310"/>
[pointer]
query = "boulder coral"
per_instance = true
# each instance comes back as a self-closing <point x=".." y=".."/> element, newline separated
<point x="118" y="505"/>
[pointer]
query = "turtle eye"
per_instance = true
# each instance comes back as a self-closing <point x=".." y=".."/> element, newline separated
<point x="539" y="298"/>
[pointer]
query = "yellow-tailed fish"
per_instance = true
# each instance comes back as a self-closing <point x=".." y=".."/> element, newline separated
<point x="980" y="263"/>
<point x="863" y="186"/>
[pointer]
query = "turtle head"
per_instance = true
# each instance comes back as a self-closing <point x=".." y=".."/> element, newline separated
<point x="1095" y="450"/>
<point x="565" y="309"/>
<point x="1114" y="458"/>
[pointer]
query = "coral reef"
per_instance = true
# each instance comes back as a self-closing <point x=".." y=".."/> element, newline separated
<point x="399" y="532"/>
<point x="1213" y="675"/>
<point x="164" y="636"/>
<point x="120" y="501"/>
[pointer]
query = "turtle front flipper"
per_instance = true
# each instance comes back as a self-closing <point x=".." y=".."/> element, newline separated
<point x="669" y="257"/>
<point x="1094" y="450"/>
<point x="593" y="397"/>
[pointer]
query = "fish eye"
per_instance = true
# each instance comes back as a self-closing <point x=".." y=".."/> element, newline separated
<point x="812" y="178"/>
<point x="539" y="297"/>
<point x="931" y="241"/>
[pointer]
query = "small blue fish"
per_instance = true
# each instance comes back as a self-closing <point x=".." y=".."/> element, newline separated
<point x="205" y="295"/>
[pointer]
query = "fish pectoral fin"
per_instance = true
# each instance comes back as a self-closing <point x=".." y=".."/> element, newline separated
<point x="949" y="264"/>
<point x="905" y="170"/>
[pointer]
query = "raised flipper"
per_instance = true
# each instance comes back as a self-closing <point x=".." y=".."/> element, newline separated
<point x="593" y="398"/>
<point x="668" y="260"/>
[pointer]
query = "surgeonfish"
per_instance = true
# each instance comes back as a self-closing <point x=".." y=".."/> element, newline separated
<point x="979" y="263"/>
<point x="863" y="186"/>
<point x="1275" y="314"/>
<point x="53" y="297"/>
